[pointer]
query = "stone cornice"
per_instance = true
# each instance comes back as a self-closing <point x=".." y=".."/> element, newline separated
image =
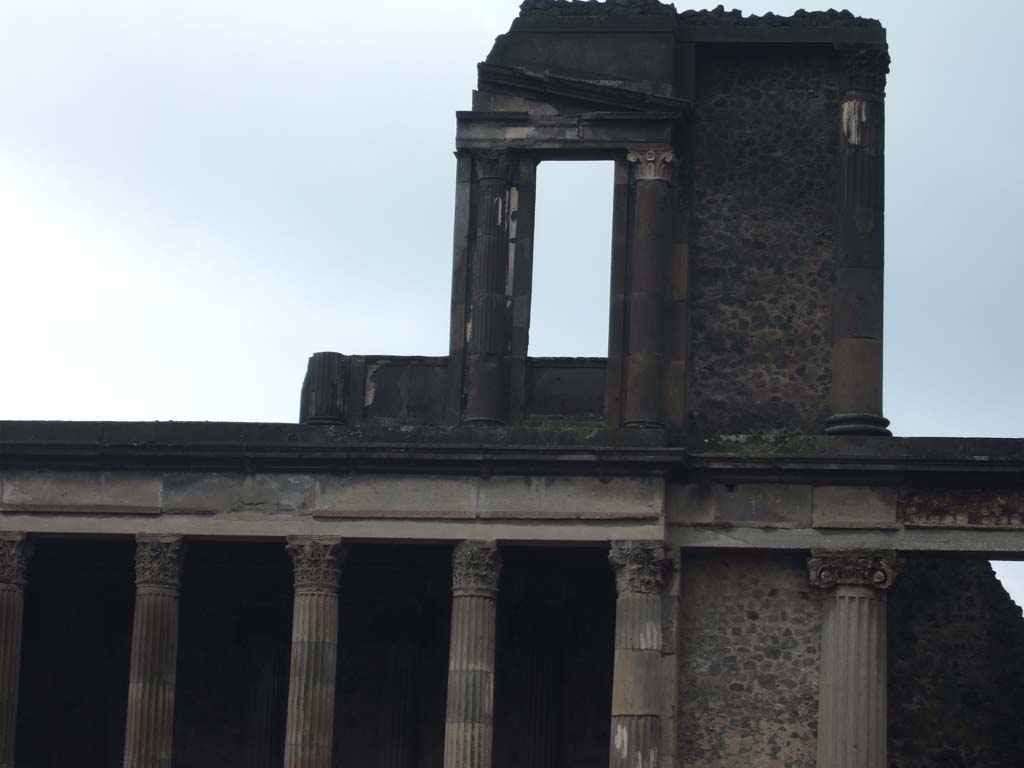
<point x="876" y="570"/>
<point x="640" y="566"/>
<point x="158" y="560"/>
<point x="476" y="568"/>
<point x="317" y="562"/>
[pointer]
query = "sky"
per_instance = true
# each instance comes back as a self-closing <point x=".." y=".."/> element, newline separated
<point x="195" y="195"/>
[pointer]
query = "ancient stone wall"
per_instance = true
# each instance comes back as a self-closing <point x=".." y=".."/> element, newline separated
<point x="764" y="143"/>
<point x="956" y="668"/>
<point x="749" y="635"/>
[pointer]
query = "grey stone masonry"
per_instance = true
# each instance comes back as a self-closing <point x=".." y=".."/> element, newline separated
<point x="640" y="571"/>
<point x="469" y="716"/>
<point x="852" y="707"/>
<point x="149" y="727"/>
<point x="14" y="556"/>
<point x="309" y="733"/>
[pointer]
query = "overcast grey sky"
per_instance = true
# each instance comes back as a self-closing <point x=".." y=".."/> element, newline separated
<point x="197" y="194"/>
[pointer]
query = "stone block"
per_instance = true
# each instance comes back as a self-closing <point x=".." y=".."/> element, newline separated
<point x="85" y="492"/>
<point x="839" y="506"/>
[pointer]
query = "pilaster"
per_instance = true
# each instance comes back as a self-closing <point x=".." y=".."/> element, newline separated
<point x="852" y="707"/>
<point x="309" y="733"/>
<point x="149" y="728"/>
<point x="15" y="553"/>
<point x="469" y="729"/>
<point x="641" y="568"/>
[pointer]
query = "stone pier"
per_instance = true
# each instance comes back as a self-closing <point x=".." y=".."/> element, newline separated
<point x="852" y="711"/>
<point x="640" y="569"/>
<point x="14" y="557"/>
<point x="309" y="733"/>
<point x="469" y="730"/>
<point x="149" y="728"/>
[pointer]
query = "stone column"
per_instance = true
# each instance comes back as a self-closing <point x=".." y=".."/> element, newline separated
<point x="857" y="302"/>
<point x="487" y="337"/>
<point x="650" y="245"/>
<point x="468" y="729"/>
<point x="149" y="729"/>
<point x="14" y="556"/>
<point x="309" y="733"/>
<point x="640" y="570"/>
<point x="851" y="691"/>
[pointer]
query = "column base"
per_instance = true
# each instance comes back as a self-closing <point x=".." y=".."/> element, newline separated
<point x="857" y="424"/>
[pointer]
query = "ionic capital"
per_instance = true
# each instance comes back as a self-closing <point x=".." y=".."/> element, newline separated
<point x="158" y="560"/>
<point x="15" y="553"/>
<point x="476" y="567"/>
<point x="652" y="164"/>
<point x="640" y="566"/>
<point x="317" y="561"/>
<point x="852" y="568"/>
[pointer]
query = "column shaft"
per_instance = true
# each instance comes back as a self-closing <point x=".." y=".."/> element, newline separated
<point x="469" y="730"/>
<point x="309" y="733"/>
<point x="149" y="728"/>
<point x="636" y="685"/>
<point x="649" y="250"/>
<point x="852" y="709"/>
<point x="487" y="331"/>
<point x="14" y="557"/>
<point x="857" y="303"/>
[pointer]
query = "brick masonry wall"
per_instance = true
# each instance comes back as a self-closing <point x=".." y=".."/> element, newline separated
<point x="764" y="139"/>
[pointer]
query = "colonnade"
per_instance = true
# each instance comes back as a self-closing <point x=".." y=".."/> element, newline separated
<point x="852" y="700"/>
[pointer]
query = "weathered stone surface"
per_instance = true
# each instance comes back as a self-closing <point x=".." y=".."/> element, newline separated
<point x="56" y="491"/>
<point x="845" y="506"/>
<point x="761" y="287"/>
<point x="963" y="507"/>
<point x="748" y="662"/>
<point x="956" y="687"/>
<point x="769" y="505"/>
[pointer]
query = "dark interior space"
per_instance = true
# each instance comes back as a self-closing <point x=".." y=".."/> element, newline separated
<point x="553" y="666"/>
<point x="75" y="652"/>
<point x="233" y="654"/>
<point x="394" y="611"/>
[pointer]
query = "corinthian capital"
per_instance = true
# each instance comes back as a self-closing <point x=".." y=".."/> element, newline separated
<point x="653" y="164"/>
<point x="856" y="569"/>
<point x="15" y="553"/>
<point x="317" y="561"/>
<point x="158" y="560"/>
<point x="865" y="68"/>
<point x="640" y="566"/>
<point x="476" y="566"/>
<point x="493" y="164"/>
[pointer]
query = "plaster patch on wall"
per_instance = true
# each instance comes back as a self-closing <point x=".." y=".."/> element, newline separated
<point x="855" y="118"/>
<point x="371" y="385"/>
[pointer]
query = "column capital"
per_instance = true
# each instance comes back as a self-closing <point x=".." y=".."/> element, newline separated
<point x="158" y="560"/>
<point x="640" y="566"/>
<point x="317" y="561"/>
<point x="876" y="570"/>
<point x="865" y="68"/>
<point x="493" y="164"/>
<point x="652" y="164"/>
<point x="476" y="567"/>
<point x="15" y="552"/>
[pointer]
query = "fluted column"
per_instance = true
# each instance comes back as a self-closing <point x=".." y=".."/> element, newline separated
<point x="309" y="733"/>
<point x="640" y="570"/>
<point x="14" y="556"/>
<point x="487" y="327"/>
<point x="860" y="251"/>
<point x="149" y="729"/>
<point x="852" y="710"/>
<point x="469" y="730"/>
<point x="650" y="245"/>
